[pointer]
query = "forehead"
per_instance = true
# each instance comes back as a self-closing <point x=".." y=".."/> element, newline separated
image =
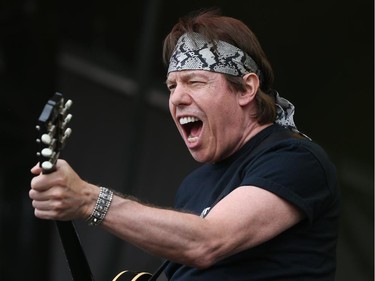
<point x="190" y="74"/>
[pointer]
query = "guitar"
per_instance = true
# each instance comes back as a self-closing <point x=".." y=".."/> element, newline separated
<point x="132" y="276"/>
<point x="53" y="132"/>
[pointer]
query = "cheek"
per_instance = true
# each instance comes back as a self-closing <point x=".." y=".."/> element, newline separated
<point x="224" y="125"/>
<point x="222" y="111"/>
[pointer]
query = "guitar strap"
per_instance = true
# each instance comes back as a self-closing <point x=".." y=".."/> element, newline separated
<point x="270" y="138"/>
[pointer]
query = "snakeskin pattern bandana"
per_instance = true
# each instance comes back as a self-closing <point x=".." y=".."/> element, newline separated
<point x="285" y="113"/>
<point x="194" y="52"/>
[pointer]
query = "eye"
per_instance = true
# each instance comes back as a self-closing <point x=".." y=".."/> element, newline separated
<point x="196" y="82"/>
<point x="171" y="87"/>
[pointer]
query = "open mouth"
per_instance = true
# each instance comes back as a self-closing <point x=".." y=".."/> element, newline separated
<point x="192" y="127"/>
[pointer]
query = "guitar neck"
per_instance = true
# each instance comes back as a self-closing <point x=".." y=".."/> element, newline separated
<point x="75" y="256"/>
<point x="53" y="133"/>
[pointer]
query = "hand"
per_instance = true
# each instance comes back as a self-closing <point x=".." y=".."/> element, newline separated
<point x="62" y="194"/>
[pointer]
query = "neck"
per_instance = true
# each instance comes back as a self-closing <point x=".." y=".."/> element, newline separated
<point x="252" y="130"/>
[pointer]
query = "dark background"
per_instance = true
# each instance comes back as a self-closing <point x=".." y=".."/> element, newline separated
<point x="106" y="57"/>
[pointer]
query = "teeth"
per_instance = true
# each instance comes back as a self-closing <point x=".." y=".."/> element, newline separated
<point x="189" y="119"/>
<point x="192" y="139"/>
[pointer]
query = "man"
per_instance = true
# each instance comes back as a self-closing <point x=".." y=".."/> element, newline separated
<point x="263" y="206"/>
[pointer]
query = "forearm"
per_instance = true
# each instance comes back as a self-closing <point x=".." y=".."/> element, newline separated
<point x="173" y="235"/>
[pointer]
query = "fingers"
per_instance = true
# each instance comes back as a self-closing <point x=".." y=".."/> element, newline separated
<point x="50" y="203"/>
<point x="43" y="187"/>
<point x="42" y="182"/>
<point x="56" y="195"/>
<point x="42" y="209"/>
<point x="36" y="170"/>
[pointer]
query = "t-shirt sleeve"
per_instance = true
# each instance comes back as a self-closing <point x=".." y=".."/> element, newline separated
<point x="294" y="172"/>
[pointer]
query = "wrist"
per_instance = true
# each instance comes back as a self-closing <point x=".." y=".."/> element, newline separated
<point x="101" y="207"/>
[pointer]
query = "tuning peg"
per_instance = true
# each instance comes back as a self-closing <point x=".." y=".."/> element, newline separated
<point x="47" y="152"/>
<point x="67" y="132"/>
<point x="46" y="165"/>
<point x="67" y="120"/>
<point x="46" y="139"/>
<point x="68" y="104"/>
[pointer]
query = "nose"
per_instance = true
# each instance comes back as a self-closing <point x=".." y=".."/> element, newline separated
<point x="180" y="96"/>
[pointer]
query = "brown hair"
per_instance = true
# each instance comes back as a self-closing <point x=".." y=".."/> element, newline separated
<point x="215" y="27"/>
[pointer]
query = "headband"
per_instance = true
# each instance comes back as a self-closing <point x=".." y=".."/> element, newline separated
<point x="194" y="52"/>
<point x="285" y="113"/>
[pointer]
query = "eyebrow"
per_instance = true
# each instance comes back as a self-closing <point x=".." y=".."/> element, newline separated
<point x="187" y="76"/>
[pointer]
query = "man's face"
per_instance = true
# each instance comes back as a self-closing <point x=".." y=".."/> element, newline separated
<point x="206" y="113"/>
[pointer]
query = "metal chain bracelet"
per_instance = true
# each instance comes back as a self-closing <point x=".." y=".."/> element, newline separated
<point x="101" y="206"/>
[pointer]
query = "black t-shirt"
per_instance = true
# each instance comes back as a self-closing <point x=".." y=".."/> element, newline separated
<point x="295" y="169"/>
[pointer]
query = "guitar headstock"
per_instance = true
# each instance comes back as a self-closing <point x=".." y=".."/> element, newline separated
<point x="53" y="131"/>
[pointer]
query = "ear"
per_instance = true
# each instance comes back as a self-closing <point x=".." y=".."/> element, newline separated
<point x="252" y="86"/>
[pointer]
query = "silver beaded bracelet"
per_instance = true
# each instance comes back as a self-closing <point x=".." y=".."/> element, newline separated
<point x="101" y="206"/>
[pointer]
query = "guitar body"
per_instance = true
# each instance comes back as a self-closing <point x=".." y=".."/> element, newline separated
<point x="132" y="276"/>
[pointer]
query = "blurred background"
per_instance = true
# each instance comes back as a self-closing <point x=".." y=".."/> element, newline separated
<point x="106" y="57"/>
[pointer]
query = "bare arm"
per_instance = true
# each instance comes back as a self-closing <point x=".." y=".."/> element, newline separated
<point x="246" y="217"/>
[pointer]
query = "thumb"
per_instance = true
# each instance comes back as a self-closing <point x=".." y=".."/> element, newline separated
<point x="36" y="170"/>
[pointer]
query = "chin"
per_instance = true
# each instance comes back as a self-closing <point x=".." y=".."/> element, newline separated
<point x="198" y="158"/>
